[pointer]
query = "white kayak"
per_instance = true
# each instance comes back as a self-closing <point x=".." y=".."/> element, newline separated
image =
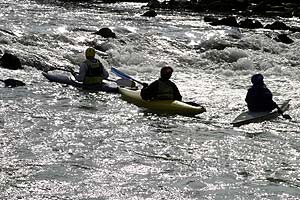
<point x="161" y="106"/>
<point x="255" y="117"/>
<point x="58" y="78"/>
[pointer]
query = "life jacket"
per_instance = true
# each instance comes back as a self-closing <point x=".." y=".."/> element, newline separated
<point x="165" y="91"/>
<point x="94" y="73"/>
<point x="259" y="99"/>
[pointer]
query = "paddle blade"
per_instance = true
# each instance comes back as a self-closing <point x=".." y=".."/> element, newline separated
<point x="285" y="116"/>
<point x="120" y="74"/>
<point x="125" y="83"/>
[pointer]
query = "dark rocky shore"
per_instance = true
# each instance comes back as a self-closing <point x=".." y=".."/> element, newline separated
<point x="287" y="8"/>
<point x="282" y="8"/>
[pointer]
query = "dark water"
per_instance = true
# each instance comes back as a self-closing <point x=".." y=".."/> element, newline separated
<point x="59" y="142"/>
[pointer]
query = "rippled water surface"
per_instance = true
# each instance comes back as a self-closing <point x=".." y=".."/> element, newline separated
<point x="59" y="142"/>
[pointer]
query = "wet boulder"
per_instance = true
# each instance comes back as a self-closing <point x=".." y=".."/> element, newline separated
<point x="149" y="13"/>
<point x="210" y="19"/>
<point x="284" y="39"/>
<point x="227" y="21"/>
<point x="153" y="4"/>
<point x="226" y="5"/>
<point x="10" y="61"/>
<point x="106" y="33"/>
<point x="277" y="25"/>
<point x="12" y="82"/>
<point x="294" y="29"/>
<point x="250" y="24"/>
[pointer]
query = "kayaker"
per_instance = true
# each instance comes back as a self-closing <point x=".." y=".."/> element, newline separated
<point x="91" y="70"/>
<point x="163" y="88"/>
<point x="259" y="97"/>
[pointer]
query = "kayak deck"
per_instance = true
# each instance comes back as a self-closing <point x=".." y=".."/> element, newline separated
<point x="256" y="117"/>
<point x="162" y="106"/>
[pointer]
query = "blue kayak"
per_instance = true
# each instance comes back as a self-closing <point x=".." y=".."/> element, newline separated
<point x="63" y="79"/>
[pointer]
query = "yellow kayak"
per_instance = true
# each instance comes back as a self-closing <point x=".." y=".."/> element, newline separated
<point x="162" y="106"/>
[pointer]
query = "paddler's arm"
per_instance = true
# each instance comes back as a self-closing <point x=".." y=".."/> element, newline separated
<point x="149" y="92"/>
<point x="177" y="95"/>
<point x="285" y="116"/>
<point x="278" y="109"/>
<point x="275" y="105"/>
<point x="105" y="73"/>
<point x="82" y="72"/>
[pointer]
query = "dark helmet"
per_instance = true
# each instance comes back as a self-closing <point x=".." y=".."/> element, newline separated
<point x="257" y="79"/>
<point x="166" y="72"/>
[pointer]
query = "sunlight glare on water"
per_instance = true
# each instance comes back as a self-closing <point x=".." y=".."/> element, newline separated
<point x="60" y="142"/>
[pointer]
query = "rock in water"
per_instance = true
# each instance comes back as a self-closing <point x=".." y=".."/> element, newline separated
<point x="10" y="61"/>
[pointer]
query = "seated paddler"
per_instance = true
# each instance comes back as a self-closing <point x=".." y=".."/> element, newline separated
<point x="259" y="97"/>
<point x="163" y="88"/>
<point x="91" y="71"/>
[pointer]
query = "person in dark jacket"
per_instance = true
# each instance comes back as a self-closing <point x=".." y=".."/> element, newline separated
<point x="163" y="88"/>
<point x="259" y="97"/>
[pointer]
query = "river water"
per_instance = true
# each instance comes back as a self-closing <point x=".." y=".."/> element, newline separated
<point x="59" y="142"/>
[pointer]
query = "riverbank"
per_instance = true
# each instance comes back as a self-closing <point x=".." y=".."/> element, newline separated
<point x="270" y="8"/>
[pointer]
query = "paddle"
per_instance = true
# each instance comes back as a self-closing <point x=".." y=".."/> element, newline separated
<point x="12" y="82"/>
<point x="124" y="83"/>
<point x="124" y="76"/>
<point x="285" y="116"/>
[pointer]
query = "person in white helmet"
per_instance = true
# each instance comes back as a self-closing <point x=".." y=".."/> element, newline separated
<point x="91" y="71"/>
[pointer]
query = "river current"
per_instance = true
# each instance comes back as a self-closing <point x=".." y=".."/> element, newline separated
<point x="59" y="142"/>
